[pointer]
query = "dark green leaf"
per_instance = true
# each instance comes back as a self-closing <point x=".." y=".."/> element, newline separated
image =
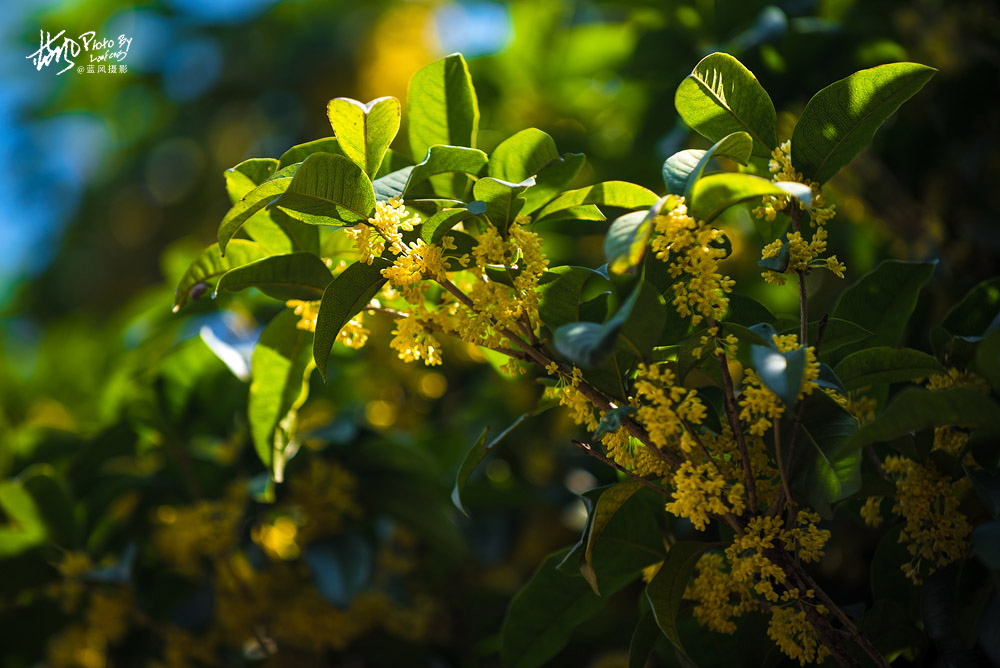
<point x="836" y="334"/>
<point x="559" y="292"/>
<point x="883" y="299"/>
<point x="341" y="566"/>
<point x="778" y="263"/>
<point x="610" y="501"/>
<point x="988" y="359"/>
<point x="721" y="97"/>
<point x="681" y="170"/>
<point x="348" y="293"/>
<point x="881" y="364"/>
<point x="747" y="311"/>
<point x="713" y="194"/>
<point x="294" y="276"/>
<point x="986" y="544"/>
<point x="474" y="456"/>
<point x="978" y="310"/>
<point x="644" y="638"/>
<point x="782" y="373"/>
<point x="52" y="499"/>
<point x="445" y="159"/>
<point x="502" y="199"/>
<point x="842" y="118"/>
<point x="541" y="618"/>
<point x="392" y="184"/>
<point x="280" y="366"/>
<point x="937" y="610"/>
<point x="667" y="588"/>
<point x="522" y="155"/>
<point x="551" y="181"/>
<point x="328" y="190"/>
<point x="628" y="236"/>
<point x="915" y="408"/>
<point x="211" y="265"/>
<point x="589" y="343"/>
<point x="987" y="486"/>
<point x="610" y="193"/>
<point x="438" y="225"/>
<point x="364" y="131"/>
<point x="441" y="105"/>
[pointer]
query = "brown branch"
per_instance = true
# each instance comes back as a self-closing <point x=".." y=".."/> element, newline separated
<point x="592" y="451"/>
<point x="781" y="467"/>
<point x="729" y="398"/>
<point x="870" y="451"/>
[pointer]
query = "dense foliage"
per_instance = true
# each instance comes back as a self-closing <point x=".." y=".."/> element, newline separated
<point x="735" y="432"/>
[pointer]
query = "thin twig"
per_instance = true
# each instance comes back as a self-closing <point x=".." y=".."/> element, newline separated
<point x="870" y="451"/>
<point x="729" y="398"/>
<point x="592" y="451"/>
<point x="781" y="467"/>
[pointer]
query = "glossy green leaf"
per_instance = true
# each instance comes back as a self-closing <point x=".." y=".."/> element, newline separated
<point x="343" y="298"/>
<point x="392" y="184"/>
<point x="247" y="175"/>
<point x="628" y="236"/>
<point x="666" y="589"/>
<point x="438" y="225"/>
<point x="364" y="131"/>
<point x="681" y="170"/>
<point x="915" y="408"/>
<point x="522" y="155"/>
<point x="883" y="299"/>
<point x="713" y="194"/>
<point x="300" y="152"/>
<point x="294" y="276"/>
<point x="721" y="97"/>
<point x="644" y="639"/>
<point x="976" y="312"/>
<point x="551" y="180"/>
<point x="782" y="373"/>
<point x="589" y="343"/>
<point x="825" y="468"/>
<point x="873" y="366"/>
<point x="279" y="385"/>
<point x="610" y="501"/>
<point x="747" y="311"/>
<point x="441" y="106"/>
<point x="841" y="119"/>
<point x="209" y="267"/>
<point x="837" y="333"/>
<point x="501" y="199"/>
<point x="445" y="159"/>
<point x="474" y="457"/>
<point x="542" y="616"/>
<point x="328" y="190"/>
<point x="559" y="294"/>
<point x="610" y="193"/>
<point x="252" y="202"/>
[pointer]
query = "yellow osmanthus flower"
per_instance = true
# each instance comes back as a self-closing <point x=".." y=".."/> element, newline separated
<point x="760" y="407"/>
<point x="748" y="563"/>
<point x="951" y="438"/>
<point x="307" y="312"/>
<point x="184" y="536"/>
<point x="935" y="530"/>
<point x="277" y="539"/>
<point x="870" y="511"/>
<point x="384" y="229"/>
<point x="664" y="407"/>
<point x="795" y="636"/>
<point x="685" y="245"/>
<point x="805" y="538"/>
<point x="719" y="598"/>
<point x="700" y="491"/>
<point x="325" y="495"/>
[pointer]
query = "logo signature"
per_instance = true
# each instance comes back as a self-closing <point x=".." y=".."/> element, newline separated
<point x="58" y="49"/>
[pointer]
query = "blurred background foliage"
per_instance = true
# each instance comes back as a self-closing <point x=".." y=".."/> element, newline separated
<point x="123" y="444"/>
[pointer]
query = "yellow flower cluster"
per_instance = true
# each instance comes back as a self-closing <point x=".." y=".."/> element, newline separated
<point x="805" y="538"/>
<point x="685" y="244"/>
<point x="664" y="408"/>
<point x="871" y="511"/>
<point x="802" y="254"/>
<point x="701" y="490"/>
<point x="719" y="598"/>
<point x="386" y="227"/>
<point x="353" y="335"/>
<point x="748" y="563"/>
<point x="950" y="438"/>
<point x="795" y="636"/>
<point x="760" y="407"/>
<point x="85" y="644"/>
<point x="186" y="536"/>
<point x="935" y="530"/>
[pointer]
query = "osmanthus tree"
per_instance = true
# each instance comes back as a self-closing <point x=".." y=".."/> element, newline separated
<point x="737" y="432"/>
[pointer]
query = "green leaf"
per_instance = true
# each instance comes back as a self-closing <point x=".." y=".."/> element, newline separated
<point x="883" y="299"/>
<point x="364" y="131"/>
<point x="522" y="155"/>
<point x="782" y="373"/>
<point x="475" y="456"/>
<point x="341" y="566"/>
<point x="915" y="408"/>
<point x="628" y="236"/>
<point x="667" y="588"/>
<point x="874" y="366"/>
<point x="392" y="184"/>
<point x="842" y="118"/>
<point x="280" y="366"/>
<point x="837" y="333"/>
<point x="501" y="199"/>
<point x="441" y="106"/>
<point x="300" y="152"/>
<point x="25" y="526"/>
<point x="610" y="193"/>
<point x="747" y="311"/>
<point x="988" y="359"/>
<point x="644" y="639"/>
<point x="825" y="468"/>
<point x="445" y="159"/>
<point x="542" y="616"/>
<point x="559" y="294"/>
<point x="348" y="293"/>
<point x="681" y="170"/>
<point x="938" y="612"/>
<point x="52" y="499"/>
<point x="713" y="194"/>
<point x="589" y="343"/>
<point x="206" y="270"/>
<point x="551" y="180"/>
<point x="328" y="190"/>
<point x="610" y="501"/>
<point x="721" y="97"/>
<point x="778" y="263"/>
<point x="976" y="312"/>
<point x="247" y="175"/>
<point x="252" y="202"/>
<point x="437" y="226"/>
<point x="987" y="487"/>
<point x="294" y="276"/>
